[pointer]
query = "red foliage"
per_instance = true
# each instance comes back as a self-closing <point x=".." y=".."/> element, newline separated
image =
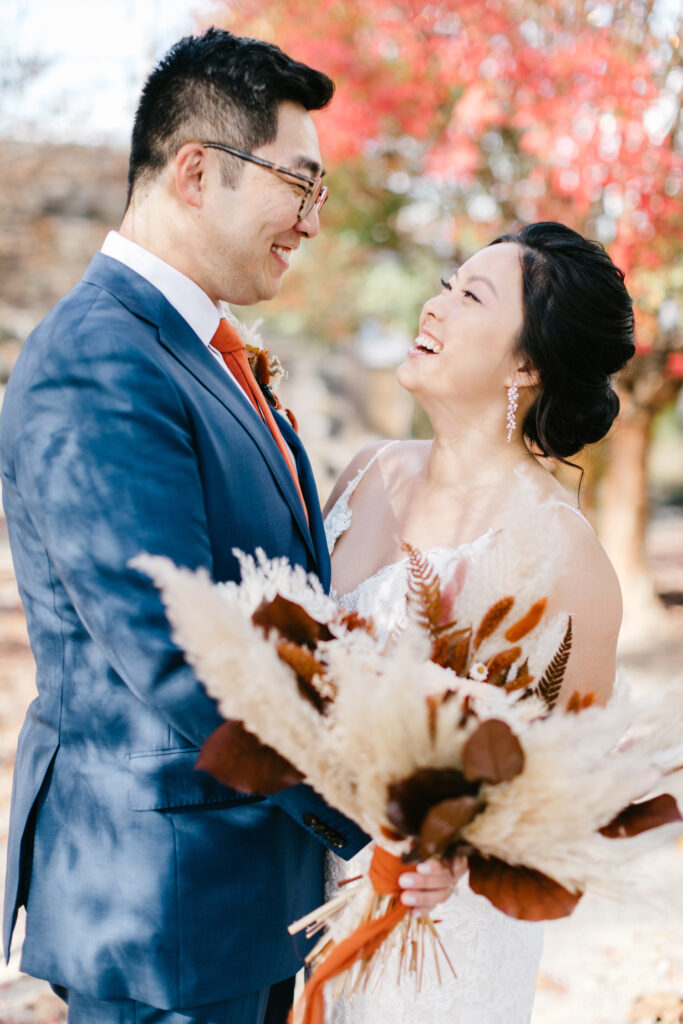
<point x="542" y="82"/>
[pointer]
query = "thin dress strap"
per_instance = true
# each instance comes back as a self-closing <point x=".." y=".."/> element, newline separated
<point x="572" y="508"/>
<point x="339" y="517"/>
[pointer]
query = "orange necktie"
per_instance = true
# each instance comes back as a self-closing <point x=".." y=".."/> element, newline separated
<point x="232" y="348"/>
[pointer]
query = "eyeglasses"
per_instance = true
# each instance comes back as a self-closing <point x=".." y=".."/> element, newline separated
<point x="315" y="192"/>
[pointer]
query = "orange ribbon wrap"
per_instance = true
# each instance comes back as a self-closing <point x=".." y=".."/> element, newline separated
<point x="385" y="870"/>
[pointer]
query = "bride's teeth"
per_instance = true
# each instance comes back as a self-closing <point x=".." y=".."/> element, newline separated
<point x="424" y="341"/>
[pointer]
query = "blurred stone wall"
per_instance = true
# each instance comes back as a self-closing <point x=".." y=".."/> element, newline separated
<point x="56" y="205"/>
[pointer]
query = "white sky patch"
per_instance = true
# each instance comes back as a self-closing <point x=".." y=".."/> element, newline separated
<point x="98" y="53"/>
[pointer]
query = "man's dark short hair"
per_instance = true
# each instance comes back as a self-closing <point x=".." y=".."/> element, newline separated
<point x="221" y="87"/>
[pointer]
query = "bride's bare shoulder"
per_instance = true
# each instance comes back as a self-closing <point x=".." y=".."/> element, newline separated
<point x="390" y="453"/>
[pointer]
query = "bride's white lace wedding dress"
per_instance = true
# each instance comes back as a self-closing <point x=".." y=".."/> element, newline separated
<point x="496" y="958"/>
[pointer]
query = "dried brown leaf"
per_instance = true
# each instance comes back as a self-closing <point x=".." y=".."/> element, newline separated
<point x="528" y="622"/>
<point x="411" y="798"/>
<point x="492" y="619"/>
<point x="238" y="759"/>
<point x="550" y="683"/>
<point x="443" y="823"/>
<point x="641" y="817"/>
<point x="519" y="892"/>
<point x="291" y="621"/>
<point x="492" y="753"/>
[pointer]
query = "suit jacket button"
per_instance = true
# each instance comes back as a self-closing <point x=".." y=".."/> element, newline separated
<point x="337" y="842"/>
<point x="311" y="821"/>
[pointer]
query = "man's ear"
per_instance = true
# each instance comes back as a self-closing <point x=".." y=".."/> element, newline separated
<point x="189" y="173"/>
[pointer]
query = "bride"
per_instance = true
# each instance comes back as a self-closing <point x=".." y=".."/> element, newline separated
<point x="512" y="365"/>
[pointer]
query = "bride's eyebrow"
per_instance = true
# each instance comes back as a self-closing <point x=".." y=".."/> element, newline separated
<point x="484" y="280"/>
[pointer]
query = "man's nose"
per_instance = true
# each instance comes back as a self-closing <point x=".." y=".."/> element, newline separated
<point x="309" y="226"/>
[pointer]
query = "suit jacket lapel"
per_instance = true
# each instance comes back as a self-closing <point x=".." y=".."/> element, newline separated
<point x="175" y="334"/>
<point x="310" y="492"/>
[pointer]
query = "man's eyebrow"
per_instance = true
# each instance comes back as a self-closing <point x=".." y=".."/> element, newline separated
<point x="305" y="163"/>
<point x="484" y="280"/>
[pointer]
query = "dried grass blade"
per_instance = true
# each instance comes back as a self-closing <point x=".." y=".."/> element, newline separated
<point x="492" y="619"/>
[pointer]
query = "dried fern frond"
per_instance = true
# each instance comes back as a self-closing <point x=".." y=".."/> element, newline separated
<point x="492" y="619"/>
<point x="424" y="590"/>
<point x="548" y="687"/>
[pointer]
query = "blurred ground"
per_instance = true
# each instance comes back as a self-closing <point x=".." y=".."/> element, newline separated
<point x="599" y="966"/>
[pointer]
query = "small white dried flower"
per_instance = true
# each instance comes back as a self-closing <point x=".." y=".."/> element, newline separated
<point x="479" y="672"/>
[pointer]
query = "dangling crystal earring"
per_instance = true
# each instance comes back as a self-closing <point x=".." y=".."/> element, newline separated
<point x="513" y="401"/>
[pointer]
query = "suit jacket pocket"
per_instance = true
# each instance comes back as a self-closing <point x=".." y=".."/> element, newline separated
<point x="163" y="780"/>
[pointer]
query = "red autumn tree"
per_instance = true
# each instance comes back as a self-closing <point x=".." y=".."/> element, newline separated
<point x="516" y="111"/>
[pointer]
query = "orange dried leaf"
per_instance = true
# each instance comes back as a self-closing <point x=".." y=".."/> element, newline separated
<point x="499" y="665"/>
<point x="527" y="622"/>
<point x="353" y="621"/>
<point x="521" y="681"/>
<point x="492" y="619"/>
<point x="579" y="702"/>
<point x="641" y="817"/>
<point x="451" y="650"/>
<point x="443" y="823"/>
<point x="291" y="621"/>
<point x="238" y="759"/>
<point x="307" y="668"/>
<point x="492" y="753"/>
<point x="522" y="893"/>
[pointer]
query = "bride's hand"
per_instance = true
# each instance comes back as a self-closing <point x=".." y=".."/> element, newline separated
<point x="431" y="883"/>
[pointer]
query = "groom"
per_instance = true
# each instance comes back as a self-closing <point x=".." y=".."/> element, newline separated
<point x="153" y="892"/>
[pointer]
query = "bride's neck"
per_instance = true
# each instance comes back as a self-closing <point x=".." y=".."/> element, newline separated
<point x="468" y="459"/>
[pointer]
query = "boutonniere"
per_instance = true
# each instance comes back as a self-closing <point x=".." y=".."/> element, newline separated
<point x="266" y="367"/>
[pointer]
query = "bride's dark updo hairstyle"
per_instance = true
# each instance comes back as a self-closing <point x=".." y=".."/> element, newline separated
<point x="578" y="330"/>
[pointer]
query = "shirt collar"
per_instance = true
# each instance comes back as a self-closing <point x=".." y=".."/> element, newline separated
<point x="193" y="304"/>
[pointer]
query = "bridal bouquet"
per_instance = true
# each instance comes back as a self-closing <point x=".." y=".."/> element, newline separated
<point x="437" y="739"/>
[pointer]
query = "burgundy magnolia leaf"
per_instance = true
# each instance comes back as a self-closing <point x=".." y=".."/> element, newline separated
<point x="637" y="818"/>
<point x="291" y="621"/>
<point x="520" y="892"/>
<point x="443" y="822"/>
<point x="451" y="591"/>
<point x="411" y="798"/>
<point x="492" y="753"/>
<point x="238" y="759"/>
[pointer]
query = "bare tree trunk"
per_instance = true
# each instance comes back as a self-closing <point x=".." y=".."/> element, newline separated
<point x="624" y="511"/>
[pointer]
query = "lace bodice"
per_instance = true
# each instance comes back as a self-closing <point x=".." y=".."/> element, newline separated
<point x="496" y="958"/>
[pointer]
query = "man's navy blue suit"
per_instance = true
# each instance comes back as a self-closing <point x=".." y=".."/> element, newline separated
<point x="144" y="878"/>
